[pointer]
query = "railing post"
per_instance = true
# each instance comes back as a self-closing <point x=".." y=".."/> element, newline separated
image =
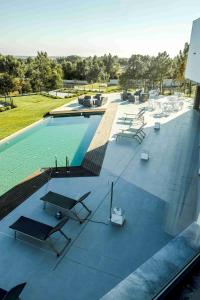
<point x="56" y="163"/>
<point x="197" y="98"/>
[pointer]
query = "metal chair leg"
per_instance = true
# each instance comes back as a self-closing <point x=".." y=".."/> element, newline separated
<point x="53" y="247"/>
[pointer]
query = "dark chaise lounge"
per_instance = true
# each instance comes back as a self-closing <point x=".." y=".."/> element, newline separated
<point x="12" y="294"/>
<point x="66" y="203"/>
<point x="40" y="231"/>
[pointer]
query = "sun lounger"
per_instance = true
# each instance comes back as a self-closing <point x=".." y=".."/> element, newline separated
<point x="129" y="135"/>
<point x="138" y="116"/>
<point x="139" y="131"/>
<point x="67" y="204"/>
<point x="40" y="231"/>
<point x="133" y="122"/>
<point x="132" y="133"/>
<point x="12" y="294"/>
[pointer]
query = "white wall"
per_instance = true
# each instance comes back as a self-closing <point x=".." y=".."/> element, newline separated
<point x="193" y="62"/>
<point x="114" y="82"/>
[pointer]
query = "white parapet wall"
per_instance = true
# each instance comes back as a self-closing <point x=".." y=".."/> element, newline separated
<point x="193" y="62"/>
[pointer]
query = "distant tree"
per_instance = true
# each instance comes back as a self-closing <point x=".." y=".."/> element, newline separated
<point x="82" y="69"/>
<point x="163" y="63"/>
<point x="136" y="70"/>
<point x="181" y="60"/>
<point x="126" y="82"/>
<point x="73" y="58"/>
<point x="178" y="68"/>
<point x="11" y="65"/>
<point x="6" y="84"/>
<point x="35" y="81"/>
<point x="96" y="73"/>
<point x="44" y="73"/>
<point x="18" y="84"/>
<point x="68" y="70"/>
<point x="54" y="81"/>
<point x="144" y="68"/>
<point x="111" y="65"/>
<point x="26" y="87"/>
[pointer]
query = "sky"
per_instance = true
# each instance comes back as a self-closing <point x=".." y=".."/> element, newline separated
<point x="96" y="27"/>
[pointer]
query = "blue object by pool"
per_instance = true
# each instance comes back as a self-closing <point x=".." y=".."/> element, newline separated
<point x="38" y="146"/>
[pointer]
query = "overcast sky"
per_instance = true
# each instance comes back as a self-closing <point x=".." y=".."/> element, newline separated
<point x="88" y="27"/>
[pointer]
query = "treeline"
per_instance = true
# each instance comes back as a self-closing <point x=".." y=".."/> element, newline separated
<point x="44" y="73"/>
<point x="29" y="75"/>
<point x="152" y="70"/>
<point x="92" y="69"/>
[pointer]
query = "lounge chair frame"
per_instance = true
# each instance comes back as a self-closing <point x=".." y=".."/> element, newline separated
<point x="42" y="235"/>
<point x="67" y="204"/>
<point x="132" y="133"/>
<point x="12" y="294"/>
<point x="132" y="117"/>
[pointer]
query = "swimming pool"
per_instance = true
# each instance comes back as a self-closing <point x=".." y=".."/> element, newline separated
<point x="37" y="147"/>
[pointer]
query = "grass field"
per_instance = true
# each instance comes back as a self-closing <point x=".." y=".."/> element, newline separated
<point x="29" y="109"/>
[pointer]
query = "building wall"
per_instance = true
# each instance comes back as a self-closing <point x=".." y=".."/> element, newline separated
<point x="193" y="62"/>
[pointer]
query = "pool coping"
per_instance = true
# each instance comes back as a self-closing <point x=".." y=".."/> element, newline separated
<point x="15" y="134"/>
<point x="78" y="111"/>
<point x="94" y="156"/>
<point x="20" y="192"/>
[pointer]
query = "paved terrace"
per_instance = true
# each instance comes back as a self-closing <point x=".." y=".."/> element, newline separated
<point x="159" y="198"/>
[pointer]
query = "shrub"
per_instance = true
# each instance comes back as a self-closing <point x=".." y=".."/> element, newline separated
<point x="50" y="96"/>
<point x="2" y="109"/>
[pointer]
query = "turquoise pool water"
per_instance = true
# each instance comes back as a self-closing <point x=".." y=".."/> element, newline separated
<point x="38" y="146"/>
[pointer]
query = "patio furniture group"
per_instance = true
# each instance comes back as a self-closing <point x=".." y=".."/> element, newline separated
<point x="138" y="96"/>
<point x="43" y="232"/>
<point x="89" y="101"/>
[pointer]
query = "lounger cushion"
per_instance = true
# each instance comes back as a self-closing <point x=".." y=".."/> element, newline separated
<point x="32" y="228"/>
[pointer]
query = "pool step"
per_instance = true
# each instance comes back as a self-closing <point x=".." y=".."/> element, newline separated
<point x="61" y="172"/>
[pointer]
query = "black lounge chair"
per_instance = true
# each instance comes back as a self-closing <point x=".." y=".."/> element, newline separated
<point x="40" y="231"/>
<point x="13" y="294"/>
<point x="66" y="203"/>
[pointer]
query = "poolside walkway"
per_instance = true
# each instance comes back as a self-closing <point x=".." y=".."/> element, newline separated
<point x="159" y="198"/>
<point x="94" y="156"/>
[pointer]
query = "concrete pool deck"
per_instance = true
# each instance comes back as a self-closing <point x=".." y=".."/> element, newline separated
<point x="159" y="198"/>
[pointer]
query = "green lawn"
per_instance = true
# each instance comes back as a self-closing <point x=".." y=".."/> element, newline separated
<point x="29" y="109"/>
